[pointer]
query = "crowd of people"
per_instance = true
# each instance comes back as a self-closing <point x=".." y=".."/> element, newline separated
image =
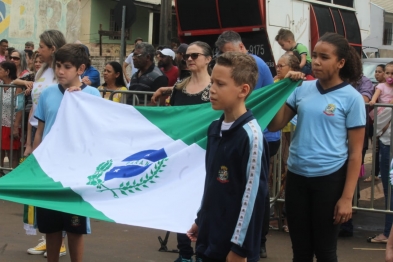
<point x="321" y="160"/>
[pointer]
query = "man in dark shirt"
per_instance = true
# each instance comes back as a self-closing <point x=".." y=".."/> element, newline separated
<point x="149" y="77"/>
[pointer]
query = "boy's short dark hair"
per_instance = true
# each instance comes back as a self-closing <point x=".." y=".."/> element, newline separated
<point x="29" y="43"/>
<point x="3" y="41"/>
<point x="72" y="53"/>
<point x="284" y="34"/>
<point x="244" y="68"/>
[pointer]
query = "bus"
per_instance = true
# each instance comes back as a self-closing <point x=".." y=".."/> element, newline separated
<point x="258" y="21"/>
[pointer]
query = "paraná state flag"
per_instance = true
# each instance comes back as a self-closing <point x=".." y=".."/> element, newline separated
<point x="141" y="166"/>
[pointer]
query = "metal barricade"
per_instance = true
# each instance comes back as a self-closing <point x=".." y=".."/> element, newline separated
<point x="11" y="154"/>
<point x="135" y="96"/>
<point x="277" y="172"/>
<point x="375" y="140"/>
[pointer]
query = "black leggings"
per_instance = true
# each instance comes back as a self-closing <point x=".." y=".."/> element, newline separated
<point x="273" y="149"/>
<point x="310" y="206"/>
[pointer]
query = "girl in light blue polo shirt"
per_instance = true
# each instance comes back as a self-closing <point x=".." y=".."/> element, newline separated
<point x="326" y="151"/>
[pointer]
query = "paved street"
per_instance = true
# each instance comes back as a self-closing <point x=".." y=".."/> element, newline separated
<point x="114" y="242"/>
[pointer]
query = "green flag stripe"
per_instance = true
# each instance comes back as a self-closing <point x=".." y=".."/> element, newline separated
<point x="29" y="185"/>
<point x="190" y="123"/>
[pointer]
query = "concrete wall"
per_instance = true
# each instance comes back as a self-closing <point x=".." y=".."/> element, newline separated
<point x="25" y="20"/>
<point x="99" y="63"/>
<point x="100" y="14"/>
<point x="363" y="15"/>
<point x="108" y="49"/>
<point x="375" y="39"/>
<point x="96" y="12"/>
<point x="376" y="28"/>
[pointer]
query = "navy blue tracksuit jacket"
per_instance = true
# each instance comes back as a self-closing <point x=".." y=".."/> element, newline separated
<point x="231" y="214"/>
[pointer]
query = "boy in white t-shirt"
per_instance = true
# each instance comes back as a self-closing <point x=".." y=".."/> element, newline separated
<point x="71" y="60"/>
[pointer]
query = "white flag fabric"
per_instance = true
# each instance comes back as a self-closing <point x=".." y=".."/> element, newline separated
<point x="141" y="166"/>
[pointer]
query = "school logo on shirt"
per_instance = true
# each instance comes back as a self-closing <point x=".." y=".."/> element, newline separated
<point x="329" y="110"/>
<point x="75" y="221"/>
<point x="223" y="175"/>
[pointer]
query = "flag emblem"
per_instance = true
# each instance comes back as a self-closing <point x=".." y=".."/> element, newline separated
<point x="132" y="166"/>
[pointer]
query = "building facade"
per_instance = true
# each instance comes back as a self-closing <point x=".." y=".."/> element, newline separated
<point x="25" y="20"/>
<point x="380" y="41"/>
<point x="101" y="12"/>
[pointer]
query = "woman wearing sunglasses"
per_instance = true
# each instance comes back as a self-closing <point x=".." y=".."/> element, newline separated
<point x="195" y="88"/>
<point x="190" y="91"/>
<point x="18" y="57"/>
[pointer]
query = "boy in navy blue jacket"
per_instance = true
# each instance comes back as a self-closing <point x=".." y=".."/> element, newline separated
<point x="229" y="223"/>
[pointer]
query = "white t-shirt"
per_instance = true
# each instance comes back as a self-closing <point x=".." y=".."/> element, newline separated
<point x="131" y="62"/>
<point x="225" y="126"/>
<point x="47" y="79"/>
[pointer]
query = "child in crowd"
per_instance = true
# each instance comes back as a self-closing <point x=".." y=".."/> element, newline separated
<point x="286" y="40"/>
<point x="384" y="94"/>
<point x="71" y="60"/>
<point x="379" y="75"/>
<point x="384" y="91"/>
<point x="326" y="150"/>
<point x="228" y="226"/>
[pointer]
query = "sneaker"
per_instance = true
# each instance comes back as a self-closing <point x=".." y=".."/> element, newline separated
<point x="198" y="259"/>
<point x="38" y="249"/>
<point x="262" y="252"/>
<point x="62" y="252"/>
<point x="181" y="259"/>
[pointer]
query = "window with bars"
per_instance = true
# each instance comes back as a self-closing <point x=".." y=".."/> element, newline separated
<point x="388" y="34"/>
<point x="340" y="21"/>
<point x="347" y="3"/>
<point x="113" y="26"/>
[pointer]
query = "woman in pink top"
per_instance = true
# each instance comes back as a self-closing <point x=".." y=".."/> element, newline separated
<point x="384" y="91"/>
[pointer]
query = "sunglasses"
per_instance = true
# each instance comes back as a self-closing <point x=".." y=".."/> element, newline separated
<point x="192" y="55"/>
<point x="14" y="58"/>
<point x="280" y="66"/>
<point x="137" y="56"/>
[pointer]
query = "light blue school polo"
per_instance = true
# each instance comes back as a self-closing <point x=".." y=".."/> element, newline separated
<point x="49" y="103"/>
<point x="319" y="145"/>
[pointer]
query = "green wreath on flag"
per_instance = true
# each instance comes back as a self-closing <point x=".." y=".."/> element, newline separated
<point x="125" y="187"/>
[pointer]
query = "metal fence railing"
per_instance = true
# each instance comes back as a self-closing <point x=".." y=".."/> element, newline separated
<point x="17" y="106"/>
<point x="143" y="99"/>
<point x="276" y="189"/>
<point x="137" y="98"/>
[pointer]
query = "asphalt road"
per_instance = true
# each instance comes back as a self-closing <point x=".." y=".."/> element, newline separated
<point x="115" y="242"/>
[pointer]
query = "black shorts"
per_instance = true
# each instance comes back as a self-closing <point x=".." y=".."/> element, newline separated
<point x="207" y="259"/>
<point x="51" y="221"/>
